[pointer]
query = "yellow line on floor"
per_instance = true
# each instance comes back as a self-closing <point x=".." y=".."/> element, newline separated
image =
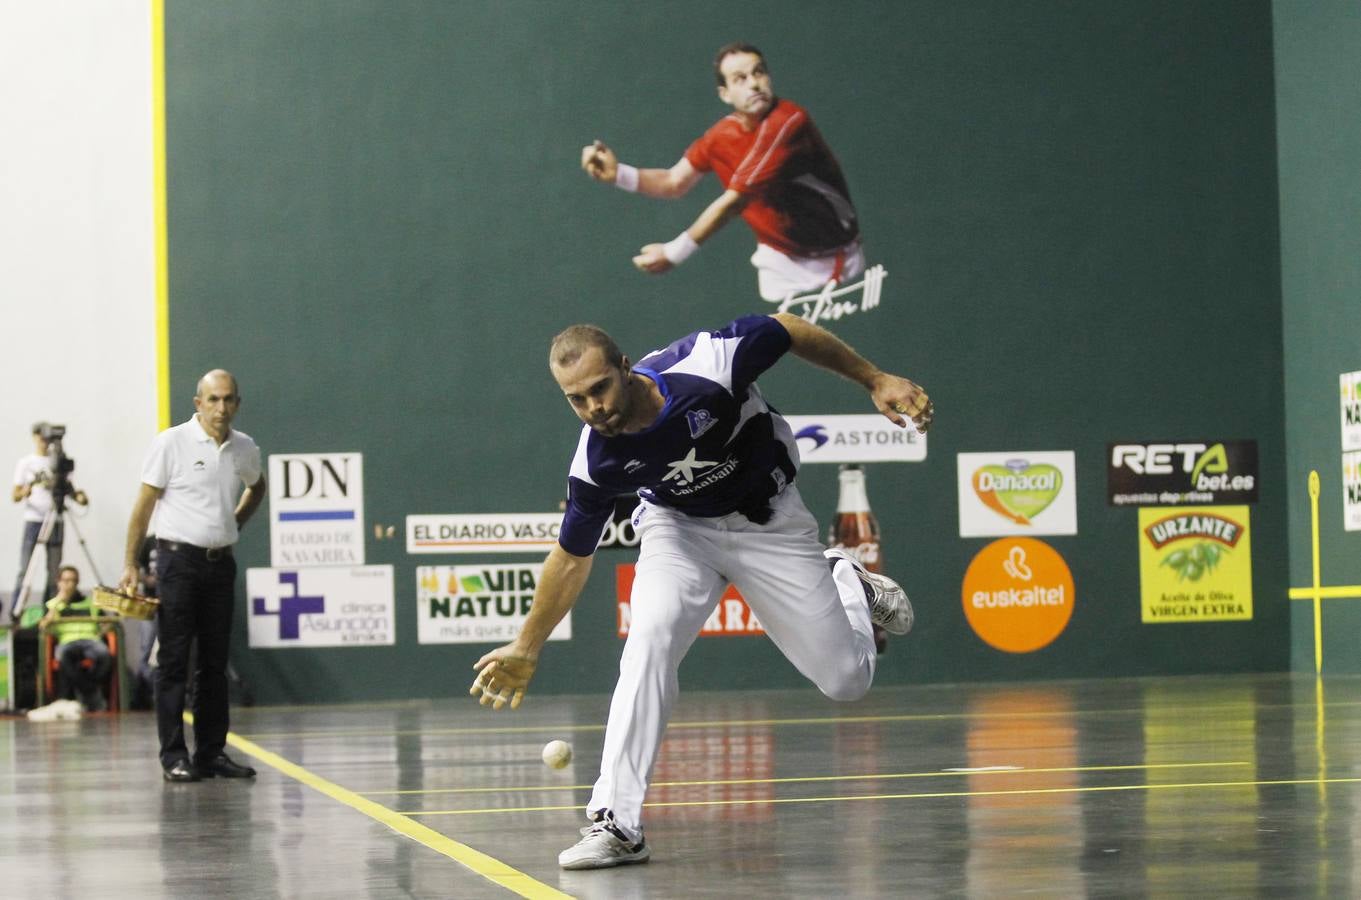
<point x="805" y="779"/>
<point x="921" y="796"/>
<point x="478" y="862"/>
<point x="559" y="728"/>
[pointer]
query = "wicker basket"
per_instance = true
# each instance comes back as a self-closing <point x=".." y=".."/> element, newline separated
<point x="131" y="605"/>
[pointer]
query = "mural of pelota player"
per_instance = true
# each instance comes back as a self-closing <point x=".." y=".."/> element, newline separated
<point x="777" y="173"/>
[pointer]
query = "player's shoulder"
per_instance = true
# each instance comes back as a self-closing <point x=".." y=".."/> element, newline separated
<point x="714" y="356"/>
<point x="700" y="342"/>
<point x="786" y="117"/>
<point x="730" y="126"/>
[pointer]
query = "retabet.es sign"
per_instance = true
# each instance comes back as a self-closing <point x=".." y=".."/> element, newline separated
<point x="1176" y="473"/>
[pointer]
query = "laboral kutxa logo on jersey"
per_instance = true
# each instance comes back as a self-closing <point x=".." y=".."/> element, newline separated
<point x="1016" y="493"/>
<point x="1177" y="473"/>
<point x="1195" y="564"/>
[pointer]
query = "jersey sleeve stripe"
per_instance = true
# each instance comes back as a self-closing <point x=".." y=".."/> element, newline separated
<point x="755" y="146"/>
<point x="779" y="137"/>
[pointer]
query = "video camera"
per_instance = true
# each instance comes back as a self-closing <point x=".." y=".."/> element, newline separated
<point x="62" y="465"/>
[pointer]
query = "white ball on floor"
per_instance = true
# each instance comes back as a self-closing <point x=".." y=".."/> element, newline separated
<point x="557" y="754"/>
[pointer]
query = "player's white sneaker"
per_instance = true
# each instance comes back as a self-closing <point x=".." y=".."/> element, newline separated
<point x="603" y="845"/>
<point x="889" y="607"/>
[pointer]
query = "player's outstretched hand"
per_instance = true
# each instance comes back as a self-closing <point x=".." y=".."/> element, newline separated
<point x="652" y="258"/>
<point x="600" y="162"/>
<point x="896" y="397"/>
<point x="502" y="676"/>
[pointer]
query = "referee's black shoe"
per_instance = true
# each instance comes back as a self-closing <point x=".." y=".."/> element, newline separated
<point x="221" y="766"/>
<point x="181" y="771"/>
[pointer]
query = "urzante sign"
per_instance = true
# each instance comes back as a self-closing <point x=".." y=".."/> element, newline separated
<point x="1195" y="564"/>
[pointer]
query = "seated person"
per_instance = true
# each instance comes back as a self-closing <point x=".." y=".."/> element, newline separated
<point x="78" y="641"/>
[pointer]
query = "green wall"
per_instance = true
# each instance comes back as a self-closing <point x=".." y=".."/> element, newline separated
<point x="377" y="221"/>
<point x="1318" y="96"/>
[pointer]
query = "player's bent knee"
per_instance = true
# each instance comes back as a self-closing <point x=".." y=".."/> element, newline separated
<point x="846" y="693"/>
<point x="847" y="684"/>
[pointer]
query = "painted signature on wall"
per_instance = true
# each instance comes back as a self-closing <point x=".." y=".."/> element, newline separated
<point x="833" y="302"/>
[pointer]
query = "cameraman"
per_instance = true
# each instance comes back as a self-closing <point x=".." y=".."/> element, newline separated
<point x="33" y="480"/>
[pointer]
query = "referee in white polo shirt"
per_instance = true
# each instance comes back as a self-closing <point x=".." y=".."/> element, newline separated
<point x="189" y="478"/>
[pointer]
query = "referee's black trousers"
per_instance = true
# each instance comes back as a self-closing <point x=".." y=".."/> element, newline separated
<point x="196" y="596"/>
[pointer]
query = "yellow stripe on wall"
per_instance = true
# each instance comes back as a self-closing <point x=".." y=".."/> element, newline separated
<point x="159" y="214"/>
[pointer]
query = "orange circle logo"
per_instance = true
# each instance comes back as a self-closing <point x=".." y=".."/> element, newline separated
<point x="1018" y="594"/>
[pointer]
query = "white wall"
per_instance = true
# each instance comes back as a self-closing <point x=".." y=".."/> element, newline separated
<point x="77" y="288"/>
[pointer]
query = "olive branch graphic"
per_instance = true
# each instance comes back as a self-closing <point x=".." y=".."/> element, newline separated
<point x="1192" y="563"/>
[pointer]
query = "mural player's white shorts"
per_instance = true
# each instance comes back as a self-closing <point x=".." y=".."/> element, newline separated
<point x="779" y="276"/>
<point x="819" y="620"/>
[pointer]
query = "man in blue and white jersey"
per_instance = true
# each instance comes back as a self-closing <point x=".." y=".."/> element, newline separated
<point x="688" y="431"/>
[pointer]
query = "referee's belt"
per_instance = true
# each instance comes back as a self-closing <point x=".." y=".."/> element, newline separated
<point x="211" y="554"/>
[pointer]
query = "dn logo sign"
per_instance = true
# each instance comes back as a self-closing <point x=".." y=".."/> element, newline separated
<point x="316" y="509"/>
<point x="324" y="477"/>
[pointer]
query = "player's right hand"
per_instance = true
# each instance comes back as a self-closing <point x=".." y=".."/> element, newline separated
<point x="652" y="259"/>
<point x="599" y="162"/>
<point x="502" y="676"/>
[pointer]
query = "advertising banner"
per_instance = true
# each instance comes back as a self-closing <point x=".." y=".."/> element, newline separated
<point x="1017" y="493"/>
<point x="1181" y="473"/>
<point x="334" y="606"/>
<point x="1351" y="491"/>
<point x="483" y="533"/>
<point x="478" y="604"/>
<point x="1018" y="594"/>
<point x="316" y="509"/>
<point x="731" y="618"/>
<point x="1195" y="564"/>
<point x="859" y="438"/>
<point x="1350" y="384"/>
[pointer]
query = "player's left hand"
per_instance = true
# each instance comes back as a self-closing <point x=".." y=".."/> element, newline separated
<point x="502" y="677"/>
<point x="896" y="397"/>
<point x="652" y="258"/>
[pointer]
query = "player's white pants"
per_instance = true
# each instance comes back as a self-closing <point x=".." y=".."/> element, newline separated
<point x="779" y="275"/>
<point x="820" y="622"/>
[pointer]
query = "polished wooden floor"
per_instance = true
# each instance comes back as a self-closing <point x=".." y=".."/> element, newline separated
<point x="1235" y="786"/>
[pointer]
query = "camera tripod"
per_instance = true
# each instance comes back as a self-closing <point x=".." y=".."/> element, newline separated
<point x="57" y="515"/>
